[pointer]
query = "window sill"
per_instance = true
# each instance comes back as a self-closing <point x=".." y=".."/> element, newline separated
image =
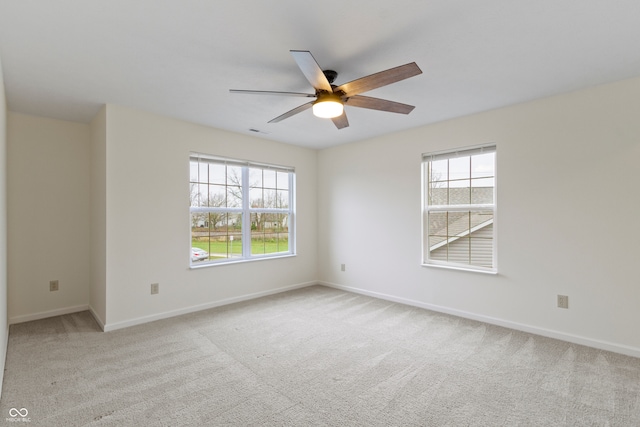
<point x="198" y="266"/>
<point x="468" y="269"/>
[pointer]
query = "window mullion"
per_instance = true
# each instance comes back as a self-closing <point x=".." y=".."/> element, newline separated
<point x="460" y="208"/>
<point x="246" y="216"/>
<point x="292" y="221"/>
<point x="470" y="232"/>
<point x="268" y="210"/>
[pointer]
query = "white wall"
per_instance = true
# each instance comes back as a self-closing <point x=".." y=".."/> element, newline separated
<point x="4" y="324"/>
<point x="147" y="218"/>
<point x="568" y="205"/>
<point x="48" y="216"/>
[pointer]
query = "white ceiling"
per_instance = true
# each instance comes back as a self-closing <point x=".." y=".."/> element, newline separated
<point x="65" y="58"/>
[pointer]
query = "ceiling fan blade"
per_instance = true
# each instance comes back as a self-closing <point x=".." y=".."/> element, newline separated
<point x="379" y="104"/>
<point x="269" y="92"/>
<point x="293" y="112"/>
<point x="380" y="79"/>
<point x="341" y="121"/>
<point x="311" y="70"/>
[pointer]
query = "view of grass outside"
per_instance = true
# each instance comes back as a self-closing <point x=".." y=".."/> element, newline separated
<point x="221" y="234"/>
<point x="226" y="249"/>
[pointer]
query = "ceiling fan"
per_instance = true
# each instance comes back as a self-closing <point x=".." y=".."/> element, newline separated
<point x="330" y="99"/>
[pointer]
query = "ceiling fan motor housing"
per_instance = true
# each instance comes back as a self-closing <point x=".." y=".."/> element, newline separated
<point x="330" y="75"/>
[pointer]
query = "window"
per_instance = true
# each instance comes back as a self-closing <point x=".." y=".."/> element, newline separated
<point x="239" y="210"/>
<point x="459" y="208"/>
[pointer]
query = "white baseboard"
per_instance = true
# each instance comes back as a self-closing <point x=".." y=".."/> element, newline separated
<point x="172" y="313"/>
<point x="3" y="355"/>
<point x="45" y="314"/>
<point x="96" y="317"/>
<point x="563" y="336"/>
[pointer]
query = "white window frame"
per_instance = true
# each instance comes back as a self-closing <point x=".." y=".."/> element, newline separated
<point x="427" y="158"/>
<point x="246" y="210"/>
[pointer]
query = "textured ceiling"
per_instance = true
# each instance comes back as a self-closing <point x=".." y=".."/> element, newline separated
<point x="65" y="58"/>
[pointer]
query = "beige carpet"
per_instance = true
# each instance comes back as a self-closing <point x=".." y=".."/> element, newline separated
<point x="311" y="357"/>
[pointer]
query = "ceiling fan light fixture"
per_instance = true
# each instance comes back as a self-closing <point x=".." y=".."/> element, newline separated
<point x="328" y="107"/>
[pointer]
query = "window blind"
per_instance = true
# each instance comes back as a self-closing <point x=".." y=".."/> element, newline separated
<point x="432" y="157"/>
<point x="202" y="158"/>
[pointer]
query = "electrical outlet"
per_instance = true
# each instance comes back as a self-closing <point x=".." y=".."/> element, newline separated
<point x="563" y="301"/>
<point x="53" y="285"/>
<point x="155" y="288"/>
<point x="343" y="267"/>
